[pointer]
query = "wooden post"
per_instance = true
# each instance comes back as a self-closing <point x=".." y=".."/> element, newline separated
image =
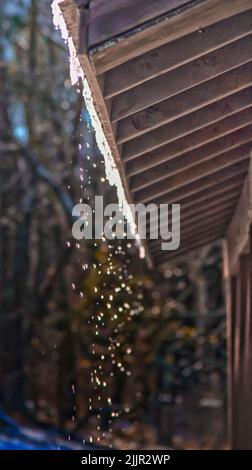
<point x="237" y="256"/>
<point x="230" y="296"/>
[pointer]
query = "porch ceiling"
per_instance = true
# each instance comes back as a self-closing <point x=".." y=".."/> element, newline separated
<point x="173" y="83"/>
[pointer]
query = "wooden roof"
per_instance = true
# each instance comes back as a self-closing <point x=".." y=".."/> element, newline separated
<point x="172" y="81"/>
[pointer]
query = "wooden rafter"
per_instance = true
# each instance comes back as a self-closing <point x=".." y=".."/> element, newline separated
<point x="172" y="87"/>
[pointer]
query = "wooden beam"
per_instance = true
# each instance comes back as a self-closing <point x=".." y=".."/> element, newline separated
<point x="191" y="234"/>
<point x="240" y="414"/>
<point x="213" y="205"/>
<point x="230" y="298"/>
<point x="187" y="160"/>
<point x="181" y="79"/>
<point x="175" y="54"/>
<point x="193" y="174"/>
<point x="218" y="216"/>
<point x="238" y="170"/>
<point x="205" y="117"/>
<point x="191" y="18"/>
<point x="208" y="220"/>
<point x="206" y="195"/>
<point x="213" y="219"/>
<point x="206" y="228"/>
<point x="185" y="103"/>
<point x="166" y="256"/>
<point x="195" y="140"/>
<point x="248" y="347"/>
<point x="198" y="225"/>
<point x="238" y="232"/>
<point x="190" y="159"/>
<point x="194" y="232"/>
<point x="193" y="237"/>
<point x="108" y="19"/>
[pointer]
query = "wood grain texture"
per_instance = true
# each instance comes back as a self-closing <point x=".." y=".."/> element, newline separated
<point x="193" y="141"/>
<point x="193" y="174"/>
<point x="230" y="305"/>
<point x="192" y="222"/>
<point x="194" y="211"/>
<point x="183" y="253"/>
<point x="183" y="78"/>
<point x="239" y="230"/>
<point x="237" y="170"/>
<point x="184" y="126"/>
<point x="110" y="18"/>
<point x="185" y="103"/>
<point x="176" y="53"/>
<point x="208" y="221"/>
<point x="191" y="158"/>
<point x="192" y="237"/>
<point x="206" y="194"/>
<point x="193" y="18"/>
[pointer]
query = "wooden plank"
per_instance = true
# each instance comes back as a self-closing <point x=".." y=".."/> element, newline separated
<point x="166" y="256"/>
<point x="190" y="19"/>
<point x="240" y="414"/>
<point x="111" y="18"/>
<point x="193" y="189"/>
<point x="245" y="440"/>
<point x="190" y="159"/>
<point x="177" y="53"/>
<point x="194" y="212"/>
<point x="193" y="174"/>
<point x="184" y="126"/>
<point x="248" y="346"/>
<point x="193" y="237"/>
<point x="205" y="194"/>
<point x="181" y="79"/>
<point x="189" y="230"/>
<point x="208" y="220"/>
<point x="184" y="103"/>
<point x="230" y="298"/>
<point x="193" y="141"/>
<point x="191" y="234"/>
<point x="195" y="220"/>
<point x="244" y="410"/>
<point x="211" y="219"/>
<point x="239" y="229"/>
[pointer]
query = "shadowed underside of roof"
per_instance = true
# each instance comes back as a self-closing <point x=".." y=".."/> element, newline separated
<point x="173" y="84"/>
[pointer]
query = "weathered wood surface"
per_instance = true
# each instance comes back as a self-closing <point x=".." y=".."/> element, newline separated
<point x="188" y="124"/>
<point x="239" y="229"/>
<point x="193" y="174"/>
<point x="190" y="250"/>
<point x="175" y="54"/>
<point x="207" y="182"/>
<point x="229" y="284"/>
<point x="238" y="287"/>
<point x="183" y="78"/>
<point x="205" y="195"/>
<point x="214" y="205"/>
<point x="110" y="18"/>
<point x="167" y="164"/>
<point x="185" y="103"/>
<point x="193" y="18"/>
<point x="172" y="87"/>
